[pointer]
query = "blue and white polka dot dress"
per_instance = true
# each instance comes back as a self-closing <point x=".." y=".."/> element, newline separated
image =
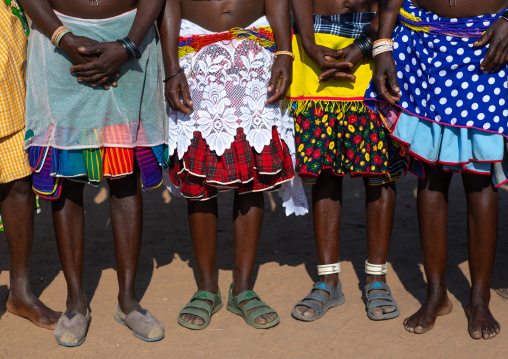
<point x="441" y="81"/>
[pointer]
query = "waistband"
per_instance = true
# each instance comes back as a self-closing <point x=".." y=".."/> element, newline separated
<point x="425" y="21"/>
<point x="349" y="25"/>
<point x="188" y="28"/>
<point x="78" y="20"/>
<point x="191" y="44"/>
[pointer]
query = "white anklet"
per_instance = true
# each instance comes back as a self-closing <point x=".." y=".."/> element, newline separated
<point x="375" y="269"/>
<point x="325" y="269"/>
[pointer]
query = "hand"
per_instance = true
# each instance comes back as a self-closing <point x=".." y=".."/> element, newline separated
<point x="282" y="76"/>
<point x="386" y="70"/>
<point x="497" y="55"/>
<point x="328" y="59"/>
<point x="177" y="89"/>
<point x="350" y="54"/>
<point x="70" y="44"/>
<point x="110" y="56"/>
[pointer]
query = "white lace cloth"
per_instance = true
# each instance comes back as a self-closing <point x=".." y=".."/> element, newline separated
<point x="228" y="84"/>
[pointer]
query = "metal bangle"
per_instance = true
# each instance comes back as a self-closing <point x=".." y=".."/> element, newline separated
<point x="171" y="76"/>
<point x="365" y="46"/>
<point x="131" y="48"/>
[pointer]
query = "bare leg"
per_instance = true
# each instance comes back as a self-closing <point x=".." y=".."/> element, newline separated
<point x="203" y="227"/>
<point x="126" y="211"/>
<point x="248" y="212"/>
<point x="68" y="220"/>
<point x="380" y="209"/>
<point x="482" y="228"/>
<point x="432" y="203"/>
<point x="18" y="216"/>
<point x="327" y="209"/>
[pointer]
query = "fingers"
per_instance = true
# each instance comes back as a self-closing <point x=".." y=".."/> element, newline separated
<point x="176" y="103"/>
<point x="335" y="75"/>
<point x="496" y="57"/>
<point x="273" y="81"/>
<point x="186" y="96"/>
<point x="342" y="66"/>
<point x="284" y="83"/>
<point x="91" y="49"/>
<point x="486" y="36"/>
<point x="333" y="55"/>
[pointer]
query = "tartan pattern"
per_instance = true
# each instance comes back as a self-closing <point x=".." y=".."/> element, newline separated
<point x="343" y="25"/>
<point x="201" y="174"/>
<point x="13" y="158"/>
<point x="13" y="46"/>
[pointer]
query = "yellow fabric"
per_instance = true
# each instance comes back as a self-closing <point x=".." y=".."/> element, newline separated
<point x="13" y="158"/>
<point x="13" y="46"/>
<point x="306" y="88"/>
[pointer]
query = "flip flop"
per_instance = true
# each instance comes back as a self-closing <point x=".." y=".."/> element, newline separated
<point x="335" y="298"/>
<point x="254" y="302"/>
<point x="379" y="299"/>
<point x="142" y="323"/>
<point x="196" y="303"/>
<point x="71" y="329"/>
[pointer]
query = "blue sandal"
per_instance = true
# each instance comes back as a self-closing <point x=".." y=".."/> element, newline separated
<point x="335" y="298"/>
<point x="380" y="299"/>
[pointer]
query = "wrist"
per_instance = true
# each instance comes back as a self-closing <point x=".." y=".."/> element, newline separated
<point x="67" y="41"/>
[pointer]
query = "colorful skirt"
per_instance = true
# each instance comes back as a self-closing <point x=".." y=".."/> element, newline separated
<point x="232" y="140"/>
<point x="81" y="133"/>
<point x="450" y="112"/>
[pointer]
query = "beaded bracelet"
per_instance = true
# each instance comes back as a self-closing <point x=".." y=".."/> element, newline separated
<point x="131" y="48"/>
<point x="365" y="45"/>
<point x="58" y="34"/>
<point x="284" y="53"/>
<point x="382" y="45"/>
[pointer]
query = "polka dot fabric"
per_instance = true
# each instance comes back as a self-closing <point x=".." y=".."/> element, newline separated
<point x="440" y="78"/>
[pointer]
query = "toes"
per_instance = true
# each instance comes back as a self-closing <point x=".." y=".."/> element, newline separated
<point x="309" y="313"/>
<point x="260" y="320"/>
<point x="377" y="311"/>
<point x="198" y="321"/>
<point x="388" y="309"/>
<point x="475" y="334"/>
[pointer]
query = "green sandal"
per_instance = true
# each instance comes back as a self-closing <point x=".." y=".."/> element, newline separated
<point x="196" y="303"/>
<point x="255" y="302"/>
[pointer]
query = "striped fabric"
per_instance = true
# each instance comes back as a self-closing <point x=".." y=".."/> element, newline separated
<point x="345" y="25"/>
<point x="51" y="165"/>
<point x="12" y="69"/>
<point x="13" y="158"/>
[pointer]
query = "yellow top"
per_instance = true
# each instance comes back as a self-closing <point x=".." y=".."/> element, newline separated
<point x="13" y="46"/>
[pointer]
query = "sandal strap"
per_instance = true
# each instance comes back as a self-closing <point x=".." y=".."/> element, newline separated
<point x="325" y="287"/>
<point x="203" y="295"/>
<point x="377" y="286"/>
<point x="199" y="304"/>
<point x="310" y="304"/>
<point x="262" y="311"/>
<point x="248" y="294"/>
<point x="317" y="297"/>
<point x="253" y="304"/>
<point x="196" y="312"/>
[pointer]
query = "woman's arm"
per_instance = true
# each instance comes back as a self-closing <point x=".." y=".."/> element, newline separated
<point x="277" y="12"/>
<point x="111" y="55"/>
<point x="325" y="57"/>
<point x="385" y="64"/>
<point x="177" y="87"/>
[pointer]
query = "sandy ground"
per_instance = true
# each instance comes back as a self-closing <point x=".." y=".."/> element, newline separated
<point x="285" y="273"/>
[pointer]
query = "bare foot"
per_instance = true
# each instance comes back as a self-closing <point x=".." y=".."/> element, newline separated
<point x="423" y="320"/>
<point x="481" y="322"/>
<point x="34" y="310"/>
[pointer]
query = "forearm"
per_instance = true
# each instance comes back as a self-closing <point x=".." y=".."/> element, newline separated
<point x="42" y="14"/>
<point x="373" y="28"/>
<point x="169" y="32"/>
<point x="388" y="13"/>
<point x="304" y="19"/>
<point x="146" y="14"/>
<point x="277" y="12"/>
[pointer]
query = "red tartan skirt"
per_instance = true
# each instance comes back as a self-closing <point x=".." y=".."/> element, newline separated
<point x="200" y="174"/>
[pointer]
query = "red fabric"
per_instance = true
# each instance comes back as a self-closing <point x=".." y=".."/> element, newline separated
<point x="201" y="173"/>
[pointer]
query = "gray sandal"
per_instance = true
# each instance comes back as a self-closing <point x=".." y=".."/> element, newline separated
<point x="142" y="323"/>
<point x="71" y="329"/>
<point x="380" y="299"/>
<point x="336" y="298"/>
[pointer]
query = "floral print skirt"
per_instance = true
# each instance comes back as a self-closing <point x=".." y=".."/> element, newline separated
<point x="350" y="140"/>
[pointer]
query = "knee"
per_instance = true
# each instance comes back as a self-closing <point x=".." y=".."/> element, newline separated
<point x="21" y="188"/>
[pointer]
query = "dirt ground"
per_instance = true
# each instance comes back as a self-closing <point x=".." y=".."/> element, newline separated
<point x="285" y="273"/>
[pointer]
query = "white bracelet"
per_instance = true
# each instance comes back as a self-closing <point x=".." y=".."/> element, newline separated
<point x="375" y="269"/>
<point x="325" y="269"/>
